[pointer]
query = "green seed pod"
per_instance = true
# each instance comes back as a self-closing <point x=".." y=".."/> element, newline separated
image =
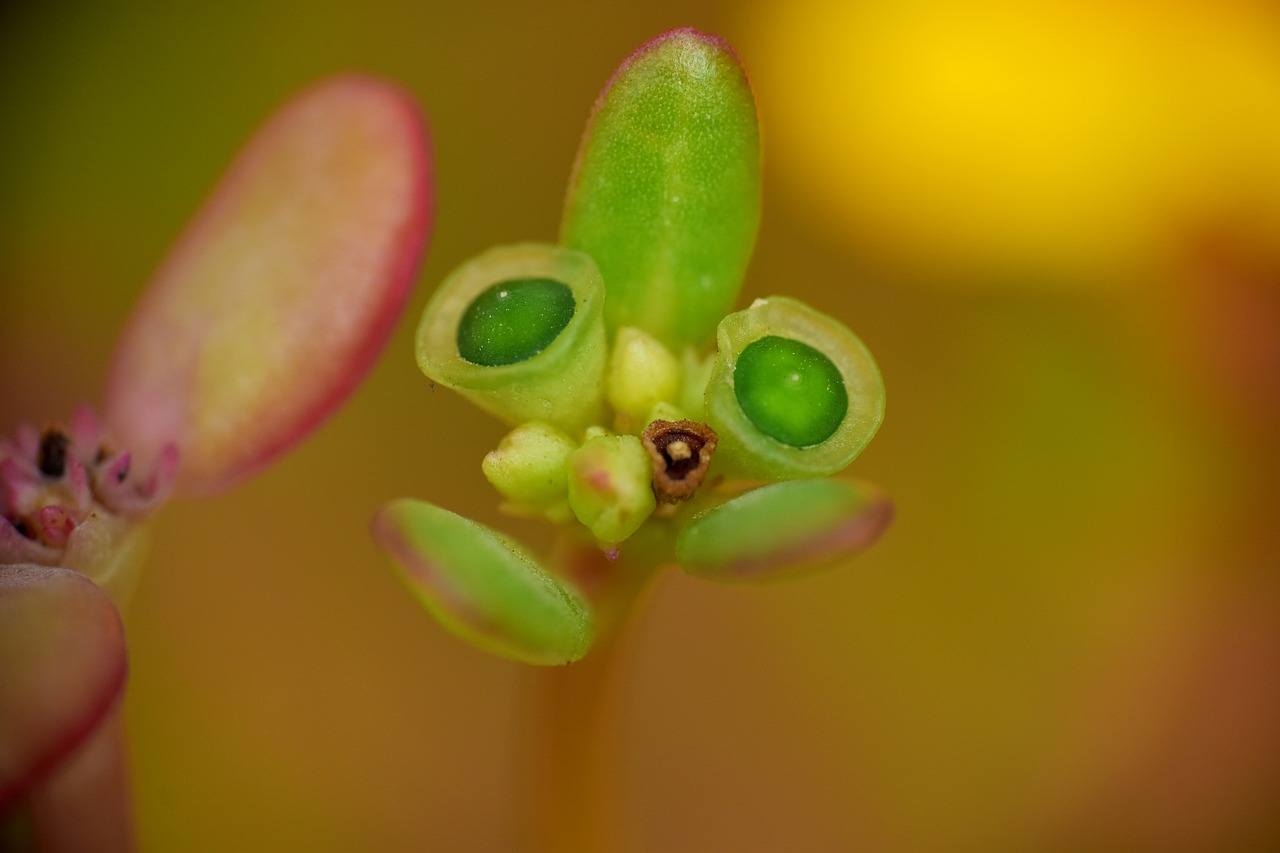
<point x="665" y="192"/>
<point x="518" y="330"/>
<point x="793" y="393"/>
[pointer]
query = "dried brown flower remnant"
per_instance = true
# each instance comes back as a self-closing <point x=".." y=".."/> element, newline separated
<point x="680" y="452"/>
<point x="52" y="456"/>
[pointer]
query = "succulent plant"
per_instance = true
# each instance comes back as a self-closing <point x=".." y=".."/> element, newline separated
<point x="644" y="445"/>
<point x="266" y="314"/>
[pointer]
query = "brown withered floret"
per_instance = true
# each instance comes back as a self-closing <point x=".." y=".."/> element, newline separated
<point x="680" y="452"/>
<point x="51" y="458"/>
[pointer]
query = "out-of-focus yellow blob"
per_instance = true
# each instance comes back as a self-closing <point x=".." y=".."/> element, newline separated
<point x="1051" y="142"/>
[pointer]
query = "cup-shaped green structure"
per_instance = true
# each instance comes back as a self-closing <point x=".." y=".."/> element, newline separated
<point x="519" y="331"/>
<point x="665" y="192"/>
<point x="793" y="393"/>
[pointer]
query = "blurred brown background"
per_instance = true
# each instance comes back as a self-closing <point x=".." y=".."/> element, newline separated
<point x="1056" y="228"/>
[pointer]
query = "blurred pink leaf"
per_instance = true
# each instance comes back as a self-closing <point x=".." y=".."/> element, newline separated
<point x="62" y="667"/>
<point x="281" y="293"/>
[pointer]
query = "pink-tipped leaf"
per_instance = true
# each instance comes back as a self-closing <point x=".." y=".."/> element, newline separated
<point x="281" y="293"/>
<point x="482" y="587"/>
<point x="783" y="530"/>
<point x="62" y="669"/>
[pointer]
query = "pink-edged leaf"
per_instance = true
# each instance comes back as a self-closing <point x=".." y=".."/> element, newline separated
<point x="784" y="529"/>
<point x="482" y="587"/>
<point x="279" y="296"/>
<point x="62" y="668"/>
<point x="85" y="804"/>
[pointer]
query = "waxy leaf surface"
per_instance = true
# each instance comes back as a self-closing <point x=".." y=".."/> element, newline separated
<point x="784" y="529"/>
<point x="665" y="192"/>
<point x="281" y="293"/>
<point x="482" y="587"/>
<point x="62" y="668"/>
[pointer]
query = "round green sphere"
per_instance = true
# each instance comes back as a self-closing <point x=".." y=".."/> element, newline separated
<point x="790" y="391"/>
<point x="513" y="321"/>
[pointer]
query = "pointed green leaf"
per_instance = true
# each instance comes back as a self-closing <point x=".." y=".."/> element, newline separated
<point x="665" y="192"/>
<point x="482" y="587"/>
<point x="62" y="668"/>
<point x="784" y="529"/>
<point x="281" y="293"/>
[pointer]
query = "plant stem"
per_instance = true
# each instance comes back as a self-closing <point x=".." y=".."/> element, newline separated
<point x="576" y="751"/>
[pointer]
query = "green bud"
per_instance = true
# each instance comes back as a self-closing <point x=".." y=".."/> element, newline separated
<point x="665" y="192"/>
<point x="529" y="467"/>
<point x="611" y="486"/>
<point x="519" y="331"/>
<point x="482" y="587"/>
<point x="793" y="393"/>
<point x="784" y="529"/>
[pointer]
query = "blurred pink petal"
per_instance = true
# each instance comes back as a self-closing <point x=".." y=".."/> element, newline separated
<point x="62" y="668"/>
<point x="279" y="296"/>
<point x="55" y="525"/>
<point x="86" y="429"/>
<point x="15" y="547"/>
<point x="65" y="496"/>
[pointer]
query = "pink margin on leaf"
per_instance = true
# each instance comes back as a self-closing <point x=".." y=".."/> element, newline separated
<point x="404" y="268"/>
<point x="399" y="274"/>
<point x="90" y="666"/>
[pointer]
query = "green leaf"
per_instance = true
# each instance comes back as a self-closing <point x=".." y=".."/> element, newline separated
<point x="482" y="587"/>
<point x="665" y="192"/>
<point x="784" y="529"/>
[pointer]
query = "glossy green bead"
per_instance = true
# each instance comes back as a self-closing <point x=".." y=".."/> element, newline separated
<point x="512" y="321"/>
<point x="790" y="391"/>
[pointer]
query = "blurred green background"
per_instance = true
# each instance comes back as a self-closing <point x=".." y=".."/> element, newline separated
<point x="1055" y="225"/>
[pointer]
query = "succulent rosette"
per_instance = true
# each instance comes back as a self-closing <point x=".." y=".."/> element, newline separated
<point x="646" y="446"/>
<point x="266" y="314"/>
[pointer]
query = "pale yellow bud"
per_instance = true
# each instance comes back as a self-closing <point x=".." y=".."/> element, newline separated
<point x="528" y="467"/>
<point x="642" y="372"/>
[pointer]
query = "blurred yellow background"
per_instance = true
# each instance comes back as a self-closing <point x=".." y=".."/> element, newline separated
<point x="1069" y="639"/>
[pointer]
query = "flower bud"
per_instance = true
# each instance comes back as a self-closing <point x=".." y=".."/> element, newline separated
<point x="611" y="486"/>
<point x="642" y="374"/>
<point x="528" y="468"/>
